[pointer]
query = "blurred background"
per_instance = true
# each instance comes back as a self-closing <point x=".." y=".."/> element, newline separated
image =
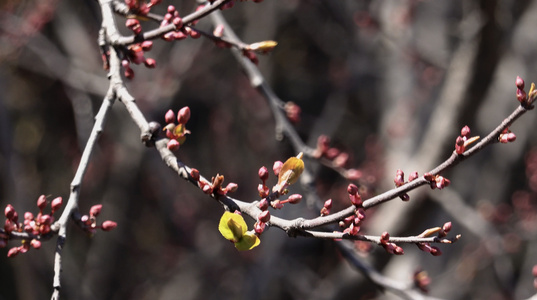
<point x="391" y="82"/>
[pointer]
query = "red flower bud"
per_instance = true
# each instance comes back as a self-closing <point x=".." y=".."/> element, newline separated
<point x="150" y="63"/>
<point x="56" y="204"/>
<point x="399" y="179"/>
<point x="519" y="82"/>
<point x="183" y="115"/>
<point x="385" y="237"/>
<point x="95" y="210"/>
<point x="173" y="145"/>
<point x="232" y="187"/>
<point x="352" y="189"/>
<point x="521" y="95"/>
<point x="13" y="252"/>
<point x="328" y="204"/>
<point x="294" y="198"/>
<point x="413" y="176"/>
<point x="446" y="227"/>
<point x="9" y="212"/>
<point x="195" y="174"/>
<point x="35" y="244"/>
<point x="41" y="202"/>
<point x="277" y="167"/>
<point x="264" y="216"/>
<point x="169" y="116"/>
<point x="465" y="131"/>
<point x="263" y="173"/>
<point x="146" y="45"/>
<point x="28" y="216"/>
<point x="108" y="225"/>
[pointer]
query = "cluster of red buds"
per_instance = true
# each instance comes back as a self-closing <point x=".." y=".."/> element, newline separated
<point x="526" y="100"/>
<point x="391" y="248"/>
<point x="442" y="232"/>
<point x="464" y="140"/>
<point x="507" y="136"/>
<point x="352" y="223"/>
<point x="135" y="52"/>
<point x="90" y="221"/>
<point x="181" y="32"/>
<point x="141" y="7"/>
<point x="264" y="190"/>
<point x="176" y="132"/>
<point x="436" y="181"/>
<point x="35" y="226"/>
<point x="422" y="280"/>
<point x="215" y="186"/>
<point x="399" y="180"/>
<point x="338" y="158"/>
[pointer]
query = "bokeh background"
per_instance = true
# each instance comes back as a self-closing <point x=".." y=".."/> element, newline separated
<point x="391" y="82"/>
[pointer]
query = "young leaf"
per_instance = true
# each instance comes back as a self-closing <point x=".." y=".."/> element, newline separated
<point x="291" y="170"/>
<point x="232" y="226"/>
<point x="247" y="242"/>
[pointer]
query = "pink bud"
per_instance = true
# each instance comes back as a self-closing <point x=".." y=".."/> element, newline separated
<point x="45" y="219"/>
<point x="41" y="202"/>
<point x="195" y="174"/>
<point x="413" y="176"/>
<point x="184" y="115"/>
<point x="356" y="199"/>
<point x="108" y="225"/>
<point x="178" y="22"/>
<point x="398" y="251"/>
<point x="9" y="212"/>
<point x="146" y="45"/>
<point x="28" y="216"/>
<point x="465" y="131"/>
<point x="171" y="9"/>
<point x="459" y="145"/>
<point x="13" y="252"/>
<point x="195" y="34"/>
<point x="521" y="95"/>
<point x="435" y="251"/>
<point x="207" y="189"/>
<point x="95" y="210"/>
<point x="35" y="244"/>
<point x="56" y="204"/>
<point x="85" y="219"/>
<point x="519" y="82"/>
<point x="259" y="227"/>
<point x="352" y="189"/>
<point x="328" y="204"/>
<point x="385" y="237"/>
<point x="170" y="116"/>
<point x="294" y="198"/>
<point x="264" y="216"/>
<point x="232" y="187"/>
<point x="263" y="204"/>
<point x="263" y="173"/>
<point x="534" y="271"/>
<point x="173" y="145"/>
<point x="399" y="179"/>
<point x="218" y="30"/>
<point x="447" y="226"/>
<point x="150" y="63"/>
<point x="277" y="167"/>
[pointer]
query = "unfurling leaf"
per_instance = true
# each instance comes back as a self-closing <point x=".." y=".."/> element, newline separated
<point x="233" y="227"/>
<point x="291" y="170"/>
<point x="248" y="241"/>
